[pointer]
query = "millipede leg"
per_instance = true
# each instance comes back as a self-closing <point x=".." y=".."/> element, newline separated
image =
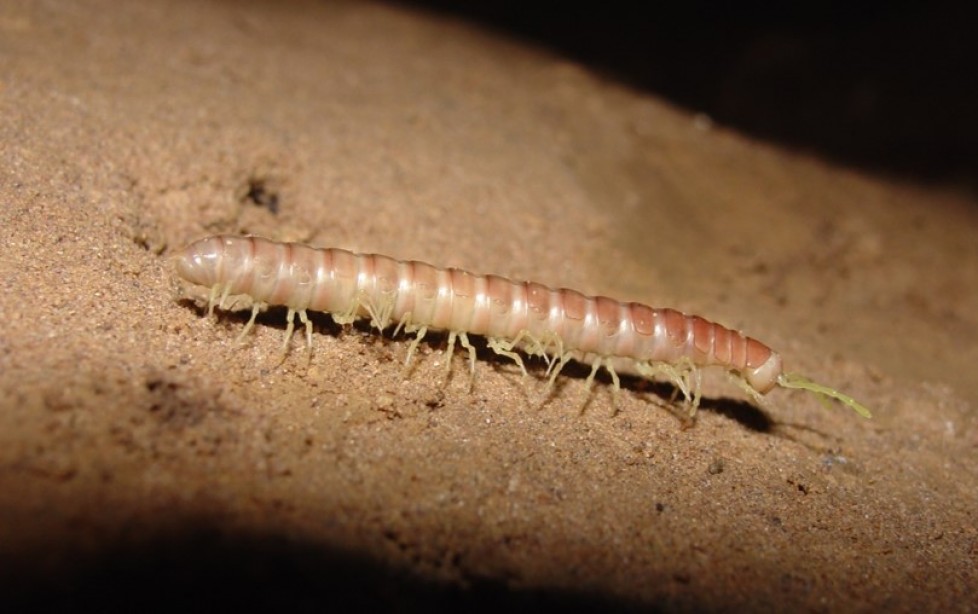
<point x="224" y="296"/>
<point x="420" y="333"/>
<point x="255" y="308"/>
<point x="533" y="347"/>
<point x="380" y="315"/>
<point x="349" y="316"/>
<point x="558" y="345"/>
<point x="504" y="348"/>
<point x="697" y="378"/>
<point x="304" y="318"/>
<point x="677" y="378"/>
<point x="560" y="361"/>
<point x="401" y="324"/>
<point x="290" y="318"/>
<point x="212" y="299"/>
<point x="464" y="339"/>
<point x="616" y="384"/>
<point x="452" y="335"/>
<point x="595" y="365"/>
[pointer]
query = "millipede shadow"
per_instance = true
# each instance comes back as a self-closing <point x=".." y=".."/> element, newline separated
<point x="746" y="414"/>
<point x="193" y="305"/>
<point x="743" y="412"/>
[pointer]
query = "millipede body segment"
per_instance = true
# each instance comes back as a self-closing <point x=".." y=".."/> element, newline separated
<point x="558" y="324"/>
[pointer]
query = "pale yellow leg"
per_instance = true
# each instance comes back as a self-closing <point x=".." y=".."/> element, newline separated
<point x="304" y="318"/>
<point x="504" y="348"/>
<point x="420" y="333"/>
<point x="212" y="299"/>
<point x="741" y="383"/>
<point x="451" y="350"/>
<point x="615" y="385"/>
<point x="224" y="296"/>
<point x="558" y="353"/>
<point x="560" y="361"/>
<point x="595" y="365"/>
<point x="464" y="339"/>
<point x="401" y="324"/>
<point x="533" y="347"/>
<point x="677" y="377"/>
<point x="348" y="316"/>
<point x="255" y="308"/>
<point x="289" y="329"/>
<point x="697" y="382"/>
<point x="380" y="316"/>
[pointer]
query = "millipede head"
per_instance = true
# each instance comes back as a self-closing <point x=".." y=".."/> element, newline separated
<point x="198" y="262"/>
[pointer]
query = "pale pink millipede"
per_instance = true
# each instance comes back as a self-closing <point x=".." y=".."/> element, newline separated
<point x="559" y="324"/>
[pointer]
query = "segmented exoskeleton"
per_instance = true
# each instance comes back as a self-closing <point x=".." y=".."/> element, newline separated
<point x="559" y="324"/>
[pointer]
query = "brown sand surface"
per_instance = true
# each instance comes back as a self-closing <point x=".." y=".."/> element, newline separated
<point x="147" y="459"/>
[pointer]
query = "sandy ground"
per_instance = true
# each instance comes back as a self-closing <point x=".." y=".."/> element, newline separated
<point x="145" y="459"/>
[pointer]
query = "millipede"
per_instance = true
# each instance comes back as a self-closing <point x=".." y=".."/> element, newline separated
<point x="558" y="324"/>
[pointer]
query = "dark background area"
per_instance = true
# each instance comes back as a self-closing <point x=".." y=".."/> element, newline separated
<point x="890" y="87"/>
